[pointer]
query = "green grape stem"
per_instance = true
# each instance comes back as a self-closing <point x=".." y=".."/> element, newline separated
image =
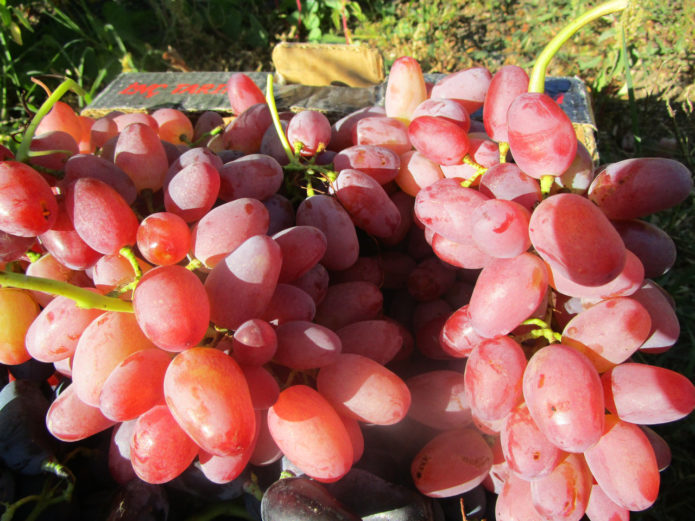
<point x="82" y="297"/>
<point x="270" y="99"/>
<point x="23" y="151"/>
<point x="537" y="78"/>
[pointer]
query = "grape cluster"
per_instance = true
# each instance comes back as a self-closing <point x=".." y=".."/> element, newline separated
<point x="407" y="289"/>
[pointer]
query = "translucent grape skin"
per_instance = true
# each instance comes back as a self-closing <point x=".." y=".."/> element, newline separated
<point x="638" y="187"/>
<point x="363" y="389"/>
<point x="438" y="399"/>
<point x="104" y="344"/>
<point x="254" y="342"/>
<point x="391" y="133"/>
<point x="192" y="191"/>
<point x="405" y="88"/>
<point x="27" y="205"/>
<point x="173" y="125"/>
<point x="500" y="228"/>
<point x="467" y="87"/>
<point x="439" y="139"/>
<point x="241" y="286"/>
<point x="378" y="162"/>
<point x="304" y="345"/>
<point x="527" y="451"/>
<point x="140" y="154"/>
<point x="172" y="307"/>
<point x="163" y="238"/>
<point x="327" y="214"/>
<point x="224" y="228"/>
<point x="493" y="377"/>
<point x="369" y="206"/>
<point x="310" y="433"/>
<point x="135" y="385"/>
<point x="609" y="332"/>
<point x="245" y="132"/>
<point x="572" y="235"/>
<point x="70" y="419"/>
<point x="541" y="136"/>
<point x="243" y="92"/>
<point x="54" y="333"/>
<point x="458" y="338"/>
<point x="565" y="398"/>
<point x="159" y="449"/>
<point x="18" y="310"/>
<point x="647" y="394"/>
<point x="257" y="176"/>
<point x="453" y="462"/>
<point x="564" y="493"/>
<point x="207" y="394"/>
<point x="601" y="507"/>
<point x="624" y="465"/>
<point x="507" y="292"/>
<point x="310" y="130"/>
<point x="506" y="84"/>
<point x="101" y="216"/>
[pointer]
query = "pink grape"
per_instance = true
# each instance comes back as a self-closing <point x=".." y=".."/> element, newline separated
<point x="314" y="283"/>
<point x="208" y="396"/>
<point x="257" y="176"/>
<point x="647" y="394"/>
<point x="453" y="462"/>
<point x="416" y="172"/>
<point x="500" y="228"/>
<point x="638" y="187"/>
<point x="173" y="125"/>
<point x="493" y="377"/>
<point x="240" y="287"/>
<point x="311" y="129"/>
<point x="506" y="84"/>
<point x="303" y="345"/>
<point x="310" y="433"/>
<point x="224" y="228"/>
<point x="609" y="332"/>
<point x="624" y="465"/>
<point x="172" y="307"/>
<point x="141" y="155"/>
<point x="405" y="88"/>
<point x="527" y="451"/>
<point x="506" y="293"/>
<point x="349" y="302"/>
<point x="223" y="469"/>
<point x="438" y="399"/>
<point x="363" y="389"/>
<point x="245" y="132"/>
<point x="652" y="245"/>
<point x="444" y="108"/>
<point x="382" y="131"/>
<point x="467" y="87"/>
<point x="108" y="340"/>
<point x="27" y="205"/>
<point x="665" y="329"/>
<point x="565" y="398"/>
<point x="159" y="449"/>
<point x="101" y="216"/>
<point x="507" y="181"/>
<point x="541" y="136"/>
<point x="378" y="162"/>
<point x="369" y="206"/>
<point x="54" y="333"/>
<point x="439" y="139"/>
<point x="328" y="215"/>
<point x="70" y="419"/>
<point x="342" y="130"/>
<point x="289" y="303"/>
<point x="263" y="387"/>
<point x="163" y="238"/>
<point x="135" y="385"/>
<point x="254" y="342"/>
<point x="564" y="493"/>
<point x="192" y="191"/>
<point x="54" y="140"/>
<point x="377" y="339"/>
<point x="88" y="165"/>
<point x="302" y="247"/>
<point x="602" y="508"/>
<point x="458" y="338"/>
<point x="572" y="235"/>
<point x="243" y="92"/>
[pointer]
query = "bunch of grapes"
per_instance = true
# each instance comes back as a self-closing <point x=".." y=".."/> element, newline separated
<point x="400" y="308"/>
